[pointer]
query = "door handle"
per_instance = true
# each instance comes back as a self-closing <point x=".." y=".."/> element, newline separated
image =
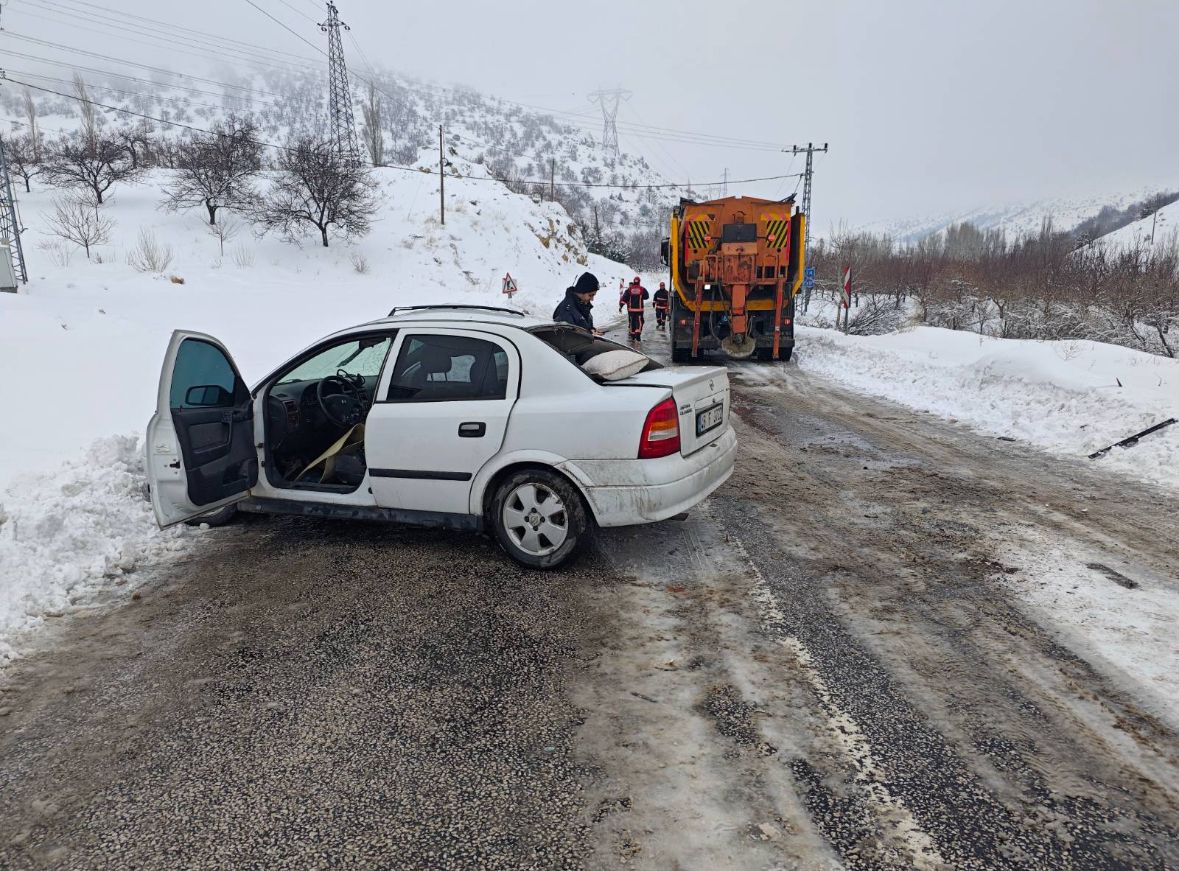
<point x="472" y="430"/>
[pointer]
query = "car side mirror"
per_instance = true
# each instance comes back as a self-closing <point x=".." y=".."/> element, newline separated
<point x="208" y="396"/>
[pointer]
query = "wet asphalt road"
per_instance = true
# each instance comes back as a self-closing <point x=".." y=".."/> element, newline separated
<point x="821" y="668"/>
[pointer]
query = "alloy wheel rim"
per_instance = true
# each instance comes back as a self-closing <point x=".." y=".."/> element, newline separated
<point x="535" y="519"/>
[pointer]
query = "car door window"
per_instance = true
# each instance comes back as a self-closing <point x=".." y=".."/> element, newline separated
<point x="203" y="377"/>
<point x="434" y="368"/>
<point x="363" y="356"/>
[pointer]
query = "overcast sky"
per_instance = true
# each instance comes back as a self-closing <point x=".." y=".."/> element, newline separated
<point x="928" y="107"/>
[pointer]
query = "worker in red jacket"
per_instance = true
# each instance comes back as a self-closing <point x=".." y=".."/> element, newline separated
<point x="662" y="301"/>
<point x="633" y="300"/>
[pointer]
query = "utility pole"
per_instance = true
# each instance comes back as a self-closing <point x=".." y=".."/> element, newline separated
<point x="610" y="100"/>
<point x="9" y="225"/>
<point x="806" y="202"/>
<point x="552" y="180"/>
<point x="343" y="123"/>
<point x="441" y="179"/>
<point x="725" y="185"/>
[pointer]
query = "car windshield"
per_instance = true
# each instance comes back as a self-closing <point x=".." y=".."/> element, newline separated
<point x="579" y="347"/>
<point x="359" y="357"/>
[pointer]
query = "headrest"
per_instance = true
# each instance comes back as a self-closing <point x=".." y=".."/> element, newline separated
<point x="435" y="359"/>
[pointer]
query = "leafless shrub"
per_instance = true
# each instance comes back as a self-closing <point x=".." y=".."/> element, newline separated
<point x="359" y="263"/>
<point x="149" y="254"/>
<point x="58" y="252"/>
<point x="875" y="316"/>
<point x="243" y="257"/>
<point x="226" y="231"/>
<point x="78" y="221"/>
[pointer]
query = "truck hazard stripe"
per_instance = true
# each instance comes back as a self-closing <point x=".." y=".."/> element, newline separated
<point x="778" y="234"/>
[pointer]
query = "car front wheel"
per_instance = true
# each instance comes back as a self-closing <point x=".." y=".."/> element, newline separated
<point x="539" y="518"/>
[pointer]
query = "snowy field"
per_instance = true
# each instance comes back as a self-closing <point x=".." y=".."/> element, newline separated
<point x="81" y="348"/>
<point x="1067" y="397"/>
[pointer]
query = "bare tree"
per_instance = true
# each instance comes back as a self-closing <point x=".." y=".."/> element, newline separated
<point x="216" y="170"/>
<point x="22" y="158"/>
<point x="319" y="187"/>
<point x="372" y="133"/>
<point x="87" y="111"/>
<point x="30" y="109"/>
<point x="95" y="165"/>
<point x="138" y="141"/>
<point x="78" y="221"/>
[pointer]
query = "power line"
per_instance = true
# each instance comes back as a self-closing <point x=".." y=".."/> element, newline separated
<point x="154" y="26"/>
<point x="223" y="53"/>
<point x="190" y="103"/>
<point x="144" y="66"/>
<point x="298" y="11"/>
<point x="119" y="76"/>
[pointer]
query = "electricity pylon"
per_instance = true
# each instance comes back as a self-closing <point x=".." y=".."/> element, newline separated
<point x="9" y="228"/>
<point x="343" y="123"/>
<point x="610" y="100"/>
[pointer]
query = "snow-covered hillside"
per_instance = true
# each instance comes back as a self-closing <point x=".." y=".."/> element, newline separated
<point x="513" y="142"/>
<point x="1022" y="218"/>
<point x="1164" y="228"/>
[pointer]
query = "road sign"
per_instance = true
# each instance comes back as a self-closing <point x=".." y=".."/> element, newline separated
<point x="846" y="286"/>
<point x="808" y="277"/>
<point x="509" y="284"/>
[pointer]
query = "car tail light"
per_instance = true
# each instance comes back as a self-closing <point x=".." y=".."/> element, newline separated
<point x="661" y="432"/>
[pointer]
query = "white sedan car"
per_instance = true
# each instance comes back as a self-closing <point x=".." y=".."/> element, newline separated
<point x="454" y="416"/>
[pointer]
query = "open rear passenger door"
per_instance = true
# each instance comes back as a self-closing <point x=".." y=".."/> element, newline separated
<point x="201" y="452"/>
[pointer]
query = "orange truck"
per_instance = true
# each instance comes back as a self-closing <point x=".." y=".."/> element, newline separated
<point x="736" y="266"/>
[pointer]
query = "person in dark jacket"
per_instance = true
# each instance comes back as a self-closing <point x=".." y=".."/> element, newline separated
<point x="662" y="300"/>
<point x="633" y="299"/>
<point x="577" y="306"/>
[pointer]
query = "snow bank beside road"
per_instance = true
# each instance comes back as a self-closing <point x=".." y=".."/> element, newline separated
<point x="1070" y="397"/>
<point x="67" y="535"/>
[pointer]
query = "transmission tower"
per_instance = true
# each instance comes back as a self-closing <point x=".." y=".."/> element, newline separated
<point x="340" y="95"/>
<point x="9" y="228"/>
<point x="809" y="151"/>
<point x="610" y="101"/>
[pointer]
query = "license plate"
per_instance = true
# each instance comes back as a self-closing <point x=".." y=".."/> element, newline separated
<point x="710" y="418"/>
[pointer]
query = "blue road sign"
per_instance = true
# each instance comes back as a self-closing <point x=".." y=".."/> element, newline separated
<point x="808" y="277"/>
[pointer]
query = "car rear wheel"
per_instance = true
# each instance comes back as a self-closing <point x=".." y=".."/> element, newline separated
<point x="539" y="518"/>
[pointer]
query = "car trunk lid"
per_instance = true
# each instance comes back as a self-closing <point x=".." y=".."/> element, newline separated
<point x="701" y="395"/>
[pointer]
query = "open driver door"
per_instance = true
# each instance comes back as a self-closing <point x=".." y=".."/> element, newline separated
<point x="201" y="452"/>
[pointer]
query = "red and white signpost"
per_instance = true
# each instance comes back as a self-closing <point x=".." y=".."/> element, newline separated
<point x="845" y="298"/>
<point x="509" y="285"/>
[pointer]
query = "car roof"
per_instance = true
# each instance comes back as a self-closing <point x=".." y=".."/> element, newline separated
<point x="460" y="314"/>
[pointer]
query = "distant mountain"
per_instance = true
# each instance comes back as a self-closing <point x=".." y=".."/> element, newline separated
<point x="1066" y="213"/>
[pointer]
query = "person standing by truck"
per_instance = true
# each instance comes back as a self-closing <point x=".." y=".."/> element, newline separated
<point x="634" y="300"/>
<point x="662" y="301"/>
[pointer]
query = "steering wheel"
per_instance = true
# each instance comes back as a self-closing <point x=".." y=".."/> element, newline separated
<point x="342" y="406"/>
